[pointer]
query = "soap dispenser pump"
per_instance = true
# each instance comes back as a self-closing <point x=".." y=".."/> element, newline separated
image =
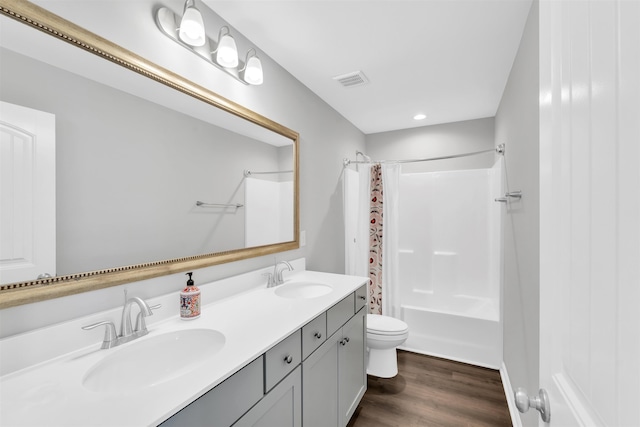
<point x="190" y="300"/>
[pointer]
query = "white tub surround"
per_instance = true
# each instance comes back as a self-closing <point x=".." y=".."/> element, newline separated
<point x="450" y="255"/>
<point x="52" y="392"/>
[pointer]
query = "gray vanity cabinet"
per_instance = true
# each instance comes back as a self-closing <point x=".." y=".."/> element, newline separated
<point x="224" y="404"/>
<point x="281" y="407"/>
<point x="276" y="390"/>
<point x="334" y="377"/>
<point x="351" y="366"/>
<point x="320" y="385"/>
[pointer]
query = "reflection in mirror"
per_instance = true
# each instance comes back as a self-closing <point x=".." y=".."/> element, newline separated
<point x="133" y="157"/>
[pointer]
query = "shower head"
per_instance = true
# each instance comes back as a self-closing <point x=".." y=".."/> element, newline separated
<point x="364" y="156"/>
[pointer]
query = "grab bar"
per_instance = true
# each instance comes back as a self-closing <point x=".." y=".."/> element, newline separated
<point x="248" y="173"/>
<point x="218" y="205"/>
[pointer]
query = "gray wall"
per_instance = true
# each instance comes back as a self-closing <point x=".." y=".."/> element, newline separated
<point x="436" y="141"/>
<point x="128" y="171"/>
<point x="325" y="139"/>
<point x="517" y="124"/>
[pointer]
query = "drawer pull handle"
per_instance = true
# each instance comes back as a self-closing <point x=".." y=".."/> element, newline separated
<point x="362" y="297"/>
<point x="288" y="359"/>
<point x="344" y="341"/>
<point x="317" y="335"/>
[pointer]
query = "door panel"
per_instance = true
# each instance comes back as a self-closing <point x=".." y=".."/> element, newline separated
<point x="590" y="198"/>
<point x="27" y="193"/>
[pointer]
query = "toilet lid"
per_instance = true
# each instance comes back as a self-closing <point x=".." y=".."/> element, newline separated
<point x="385" y="325"/>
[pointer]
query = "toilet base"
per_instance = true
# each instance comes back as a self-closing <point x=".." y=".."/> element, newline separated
<point x="382" y="363"/>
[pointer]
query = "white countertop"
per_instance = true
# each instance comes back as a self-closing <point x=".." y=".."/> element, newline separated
<point x="52" y="393"/>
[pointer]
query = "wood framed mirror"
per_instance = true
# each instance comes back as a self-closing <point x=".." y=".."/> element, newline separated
<point x="133" y="203"/>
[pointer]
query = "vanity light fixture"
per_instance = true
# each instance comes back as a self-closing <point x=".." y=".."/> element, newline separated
<point x="185" y="31"/>
<point x="252" y="70"/>
<point x="226" y="52"/>
<point x="191" y="29"/>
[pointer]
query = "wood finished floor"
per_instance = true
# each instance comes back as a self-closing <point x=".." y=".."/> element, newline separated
<point x="429" y="391"/>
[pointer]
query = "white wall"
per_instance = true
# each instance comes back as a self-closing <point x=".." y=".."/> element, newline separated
<point x="325" y="139"/>
<point x="516" y="125"/>
<point x="436" y="141"/>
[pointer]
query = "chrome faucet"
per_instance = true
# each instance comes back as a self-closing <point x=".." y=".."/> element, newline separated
<point x="127" y="332"/>
<point x="277" y="272"/>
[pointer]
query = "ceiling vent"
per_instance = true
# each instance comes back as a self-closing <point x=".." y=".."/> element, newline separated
<point x="356" y="78"/>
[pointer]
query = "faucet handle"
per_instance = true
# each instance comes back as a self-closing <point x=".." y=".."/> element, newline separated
<point x="269" y="277"/>
<point x="110" y="335"/>
<point x="141" y="325"/>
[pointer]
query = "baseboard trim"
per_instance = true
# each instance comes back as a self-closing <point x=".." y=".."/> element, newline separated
<point x="449" y="357"/>
<point x="508" y="392"/>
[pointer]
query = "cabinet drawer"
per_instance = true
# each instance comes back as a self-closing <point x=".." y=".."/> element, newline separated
<point x="282" y="359"/>
<point x="313" y="335"/>
<point x="340" y="313"/>
<point x="361" y="297"/>
<point x="227" y="402"/>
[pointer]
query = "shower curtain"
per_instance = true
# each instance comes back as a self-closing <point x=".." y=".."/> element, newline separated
<point x="390" y="260"/>
<point x="376" y="246"/>
<point x="360" y="232"/>
<point x="356" y="217"/>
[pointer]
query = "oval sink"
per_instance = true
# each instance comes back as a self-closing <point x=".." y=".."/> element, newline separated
<point x="303" y="290"/>
<point x="153" y="360"/>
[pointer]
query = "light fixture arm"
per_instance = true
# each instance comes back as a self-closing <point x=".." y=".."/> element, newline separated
<point x="188" y="4"/>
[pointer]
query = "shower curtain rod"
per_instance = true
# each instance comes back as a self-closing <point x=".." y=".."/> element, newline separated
<point x="499" y="149"/>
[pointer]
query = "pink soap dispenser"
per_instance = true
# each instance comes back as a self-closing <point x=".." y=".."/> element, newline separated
<point x="190" y="300"/>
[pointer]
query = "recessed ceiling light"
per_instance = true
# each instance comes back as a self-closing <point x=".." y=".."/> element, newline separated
<point x="420" y="117"/>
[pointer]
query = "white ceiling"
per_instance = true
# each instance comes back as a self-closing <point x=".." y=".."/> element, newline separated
<point x="448" y="59"/>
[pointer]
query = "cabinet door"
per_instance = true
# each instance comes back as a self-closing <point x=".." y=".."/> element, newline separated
<point x="320" y="385"/>
<point x="281" y="407"/>
<point x="351" y="366"/>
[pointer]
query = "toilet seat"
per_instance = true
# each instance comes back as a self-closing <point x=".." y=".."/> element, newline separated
<point x="384" y="325"/>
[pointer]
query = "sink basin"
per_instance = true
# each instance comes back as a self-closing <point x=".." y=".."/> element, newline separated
<point x="303" y="290"/>
<point x="151" y="361"/>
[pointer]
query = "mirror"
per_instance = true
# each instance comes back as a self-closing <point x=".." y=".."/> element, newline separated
<point x="163" y="191"/>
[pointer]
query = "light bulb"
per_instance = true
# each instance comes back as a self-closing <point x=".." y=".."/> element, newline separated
<point x="227" y="52"/>
<point x="192" y="27"/>
<point x="253" y="72"/>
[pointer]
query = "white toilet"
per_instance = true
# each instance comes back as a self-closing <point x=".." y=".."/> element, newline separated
<point x="384" y="334"/>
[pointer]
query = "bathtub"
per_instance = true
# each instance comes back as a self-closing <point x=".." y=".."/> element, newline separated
<point x="450" y="261"/>
<point x="457" y="327"/>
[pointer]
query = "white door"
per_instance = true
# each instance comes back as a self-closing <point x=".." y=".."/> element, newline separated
<point x="27" y="194"/>
<point x="590" y="211"/>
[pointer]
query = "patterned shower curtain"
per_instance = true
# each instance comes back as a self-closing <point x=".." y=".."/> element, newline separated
<point x="375" y="241"/>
